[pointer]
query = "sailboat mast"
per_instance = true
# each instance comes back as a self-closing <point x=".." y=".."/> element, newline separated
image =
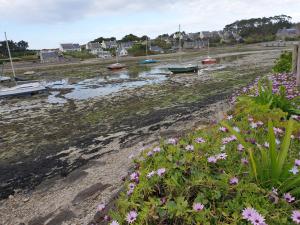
<point x="147" y="47"/>
<point x="208" y="49"/>
<point x="179" y="44"/>
<point x="11" y="62"/>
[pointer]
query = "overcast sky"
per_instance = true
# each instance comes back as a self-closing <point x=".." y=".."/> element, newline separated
<point x="46" y="23"/>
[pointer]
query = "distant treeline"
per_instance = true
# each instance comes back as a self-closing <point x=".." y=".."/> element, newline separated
<point x="259" y="29"/>
<point x="17" y="49"/>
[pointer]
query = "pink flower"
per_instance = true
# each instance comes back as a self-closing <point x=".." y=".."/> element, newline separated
<point x="198" y="207"/>
<point x="253" y="216"/>
<point x="161" y="171"/>
<point x="114" y="222"/>
<point x="134" y="176"/>
<point x="157" y="149"/>
<point x="244" y="161"/>
<point x="221" y="156"/>
<point x="296" y="216"/>
<point x="248" y="213"/>
<point x="240" y="148"/>
<point x="288" y="197"/>
<point x="297" y="162"/>
<point x="189" y="148"/>
<point x="277" y="130"/>
<point x="223" y="129"/>
<point x="100" y="207"/>
<point x="131" y="217"/>
<point x="172" y="141"/>
<point x="199" y="140"/>
<point x="234" y="181"/>
<point x="212" y="159"/>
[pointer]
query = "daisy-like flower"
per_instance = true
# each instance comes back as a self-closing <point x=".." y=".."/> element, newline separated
<point x="297" y="162"/>
<point x="274" y="191"/>
<point x="240" y="148"/>
<point x="223" y="129"/>
<point x="150" y="153"/>
<point x="266" y="144"/>
<point x="277" y="130"/>
<point x="234" y="181"/>
<point x="189" y="148"/>
<point x="199" y="140"/>
<point x="253" y="125"/>
<point x="296" y="216"/>
<point x="131" y="217"/>
<point x="172" y="141"/>
<point x="198" y="207"/>
<point x="157" y="149"/>
<point x="221" y="156"/>
<point x="223" y="147"/>
<point x="212" y="159"/>
<point x="229" y="117"/>
<point x="288" y="197"/>
<point x="161" y="171"/>
<point x="236" y="129"/>
<point x="151" y="174"/>
<point x="294" y="170"/>
<point x="100" y="207"/>
<point x="244" y="161"/>
<point x="114" y="222"/>
<point x="134" y="176"/>
<point x="248" y="213"/>
<point x="131" y="186"/>
<point x="259" y="123"/>
<point x="130" y="191"/>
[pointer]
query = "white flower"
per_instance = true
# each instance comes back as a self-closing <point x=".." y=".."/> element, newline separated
<point x="294" y="170"/>
<point x="237" y="129"/>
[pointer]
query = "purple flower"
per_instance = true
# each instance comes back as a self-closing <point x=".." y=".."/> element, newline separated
<point x="296" y="216"/>
<point x="161" y="171"/>
<point x="189" y="148"/>
<point x="100" y="207"/>
<point x="199" y="140"/>
<point x="253" y="125"/>
<point x="234" y="181"/>
<point x="212" y="159"/>
<point x="229" y="117"/>
<point x="253" y="216"/>
<point x="297" y="162"/>
<point x="277" y="130"/>
<point x="198" y="207"/>
<point x="114" y="222"/>
<point x="223" y="129"/>
<point x="288" y="197"/>
<point x="294" y="170"/>
<point x="172" y="141"/>
<point x="157" y="149"/>
<point x="150" y="153"/>
<point x="240" y="148"/>
<point x="274" y="191"/>
<point x="131" y="217"/>
<point x="221" y="156"/>
<point x="244" y="161"/>
<point x="134" y="176"/>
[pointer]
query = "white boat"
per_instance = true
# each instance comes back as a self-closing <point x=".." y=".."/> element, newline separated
<point x="24" y="89"/>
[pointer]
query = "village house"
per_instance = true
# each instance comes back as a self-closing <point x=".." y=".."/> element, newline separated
<point x="49" y="56"/>
<point x="94" y="48"/>
<point x="104" y="54"/>
<point x="109" y="44"/>
<point x="287" y="33"/>
<point x="156" y="49"/>
<point x="127" y="45"/>
<point x="122" y="52"/>
<point x="70" y="47"/>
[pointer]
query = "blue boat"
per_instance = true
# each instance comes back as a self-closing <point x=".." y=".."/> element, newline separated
<point x="148" y="61"/>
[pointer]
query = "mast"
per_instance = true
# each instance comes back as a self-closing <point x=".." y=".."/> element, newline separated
<point x="179" y="45"/>
<point x="147" y="47"/>
<point x="11" y="62"/>
<point x="208" y="49"/>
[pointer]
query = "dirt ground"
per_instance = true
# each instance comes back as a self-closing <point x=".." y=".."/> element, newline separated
<point x="59" y="161"/>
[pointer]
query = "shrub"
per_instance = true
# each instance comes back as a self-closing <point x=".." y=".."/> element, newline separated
<point x="284" y="63"/>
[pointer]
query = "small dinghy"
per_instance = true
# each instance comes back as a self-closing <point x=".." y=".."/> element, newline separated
<point x="209" y="61"/>
<point x="116" y="66"/>
<point x="24" y="89"/>
<point x="148" y="61"/>
<point x="184" y="69"/>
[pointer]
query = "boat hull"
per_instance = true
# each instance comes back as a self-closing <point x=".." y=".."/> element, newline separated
<point x="116" y="66"/>
<point x="148" y="61"/>
<point x="190" y="69"/>
<point x="209" y="61"/>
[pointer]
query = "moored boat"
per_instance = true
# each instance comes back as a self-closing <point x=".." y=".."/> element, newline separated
<point x="209" y="61"/>
<point x="116" y="66"/>
<point x="184" y="69"/>
<point x="148" y="61"/>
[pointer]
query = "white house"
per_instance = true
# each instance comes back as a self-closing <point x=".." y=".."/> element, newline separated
<point x="70" y="47"/>
<point x="109" y="44"/>
<point x="122" y="52"/>
<point x="93" y="45"/>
